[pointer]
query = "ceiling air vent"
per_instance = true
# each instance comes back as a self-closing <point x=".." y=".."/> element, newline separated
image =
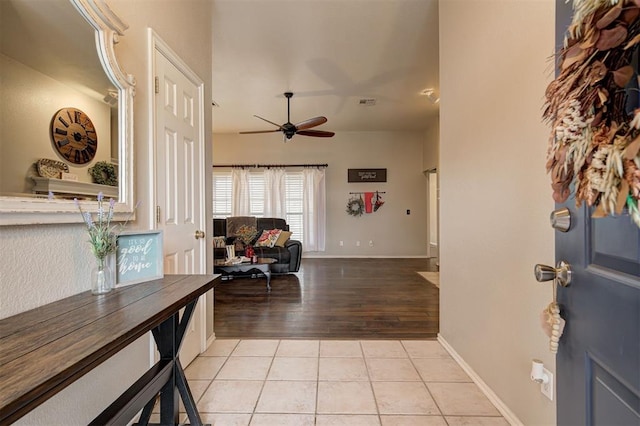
<point x="367" y="102"/>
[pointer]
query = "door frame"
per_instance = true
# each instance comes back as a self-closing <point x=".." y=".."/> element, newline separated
<point x="430" y="174"/>
<point x="157" y="44"/>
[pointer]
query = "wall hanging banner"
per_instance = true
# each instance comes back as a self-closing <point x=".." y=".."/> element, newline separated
<point x="368" y="202"/>
<point x="377" y="202"/>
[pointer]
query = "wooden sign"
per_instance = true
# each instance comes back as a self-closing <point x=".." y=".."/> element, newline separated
<point x="367" y="175"/>
<point x="139" y="257"/>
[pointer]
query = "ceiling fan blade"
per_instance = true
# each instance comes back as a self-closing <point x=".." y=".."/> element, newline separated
<point x="271" y="122"/>
<point x="316" y="133"/>
<point x="259" y="131"/>
<point x="312" y="122"/>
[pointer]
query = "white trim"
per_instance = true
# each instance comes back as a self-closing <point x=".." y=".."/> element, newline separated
<point x="210" y="341"/>
<point x="484" y="388"/>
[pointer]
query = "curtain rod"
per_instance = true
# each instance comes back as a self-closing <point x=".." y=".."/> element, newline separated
<point x="257" y="166"/>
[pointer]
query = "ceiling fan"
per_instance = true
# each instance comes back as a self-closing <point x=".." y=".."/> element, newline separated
<point x="301" y="128"/>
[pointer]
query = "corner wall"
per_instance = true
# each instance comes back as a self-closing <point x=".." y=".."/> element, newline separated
<point x="393" y="232"/>
<point x="495" y="196"/>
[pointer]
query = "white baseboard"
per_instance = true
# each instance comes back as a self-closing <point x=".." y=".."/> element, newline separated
<point x="508" y="415"/>
<point x="210" y="340"/>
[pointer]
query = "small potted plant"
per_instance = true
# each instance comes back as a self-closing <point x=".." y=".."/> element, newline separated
<point x="102" y="237"/>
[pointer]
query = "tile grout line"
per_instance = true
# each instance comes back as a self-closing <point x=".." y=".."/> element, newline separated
<point x="317" y="381"/>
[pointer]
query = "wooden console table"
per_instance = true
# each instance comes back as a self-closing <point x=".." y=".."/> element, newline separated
<point x="44" y="350"/>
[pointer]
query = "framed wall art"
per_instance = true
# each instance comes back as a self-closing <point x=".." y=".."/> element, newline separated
<point x="139" y="257"/>
<point x="366" y="175"/>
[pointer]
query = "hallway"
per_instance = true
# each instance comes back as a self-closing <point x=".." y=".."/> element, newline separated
<point x="342" y="342"/>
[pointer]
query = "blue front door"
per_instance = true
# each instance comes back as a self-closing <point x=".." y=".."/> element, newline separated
<point x="598" y="362"/>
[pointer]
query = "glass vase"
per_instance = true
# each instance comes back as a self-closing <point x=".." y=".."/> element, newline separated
<point x="101" y="277"/>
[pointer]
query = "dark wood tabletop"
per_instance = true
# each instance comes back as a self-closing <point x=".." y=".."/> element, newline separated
<point x="45" y="349"/>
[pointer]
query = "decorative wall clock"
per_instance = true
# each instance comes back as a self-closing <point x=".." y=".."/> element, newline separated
<point x="74" y="136"/>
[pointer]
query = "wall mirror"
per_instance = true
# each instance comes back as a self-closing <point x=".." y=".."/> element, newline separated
<point x="57" y="57"/>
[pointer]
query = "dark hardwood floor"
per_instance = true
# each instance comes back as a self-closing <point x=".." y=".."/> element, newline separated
<point x="332" y="298"/>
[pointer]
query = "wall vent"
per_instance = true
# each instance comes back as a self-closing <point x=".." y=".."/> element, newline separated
<point x="367" y="102"/>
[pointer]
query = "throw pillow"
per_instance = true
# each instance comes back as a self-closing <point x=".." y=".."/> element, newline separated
<point x="283" y="238"/>
<point x="268" y="238"/>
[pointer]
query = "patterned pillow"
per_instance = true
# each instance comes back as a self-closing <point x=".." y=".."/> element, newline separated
<point x="283" y="238"/>
<point x="268" y="238"/>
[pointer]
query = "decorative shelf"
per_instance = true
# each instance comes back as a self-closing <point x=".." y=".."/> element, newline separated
<point x="70" y="187"/>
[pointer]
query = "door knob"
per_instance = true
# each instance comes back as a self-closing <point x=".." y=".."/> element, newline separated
<point x="199" y="234"/>
<point x="562" y="273"/>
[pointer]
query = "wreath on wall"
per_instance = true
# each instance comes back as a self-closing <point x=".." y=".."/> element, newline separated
<point x="355" y="206"/>
<point x="593" y="107"/>
<point x="104" y="173"/>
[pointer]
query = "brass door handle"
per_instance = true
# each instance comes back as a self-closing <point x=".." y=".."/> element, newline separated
<point x="199" y="234"/>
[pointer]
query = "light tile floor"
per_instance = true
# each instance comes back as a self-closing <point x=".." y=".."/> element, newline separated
<point x="335" y="382"/>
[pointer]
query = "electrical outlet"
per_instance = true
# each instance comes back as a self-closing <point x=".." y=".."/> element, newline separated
<point x="357" y="243"/>
<point x="370" y="243"/>
<point x="341" y="243"/>
<point x="547" y="388"/>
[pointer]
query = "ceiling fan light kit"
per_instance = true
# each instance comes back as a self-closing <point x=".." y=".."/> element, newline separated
<point x="431" y="95"/>
<point x="289" y="129"/>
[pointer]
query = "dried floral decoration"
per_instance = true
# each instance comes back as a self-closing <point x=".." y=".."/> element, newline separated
<point x="593" y="107"/>
<point x="246" y="233"/>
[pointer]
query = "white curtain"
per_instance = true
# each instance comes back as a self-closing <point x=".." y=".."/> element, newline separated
<point x="275" y="193"/>
<point x="240" y="197"/>
<point x="314" y="209"/>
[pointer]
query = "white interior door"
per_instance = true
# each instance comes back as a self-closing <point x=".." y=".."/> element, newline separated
<point x="434" y="199"/>
<point x="180" y="178"/>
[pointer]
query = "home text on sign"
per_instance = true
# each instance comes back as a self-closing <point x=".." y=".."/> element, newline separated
<point x="139" y="257"/>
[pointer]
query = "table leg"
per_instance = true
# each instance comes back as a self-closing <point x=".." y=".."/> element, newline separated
<point x="268" y="276"/>
<point x="168" y="337"/>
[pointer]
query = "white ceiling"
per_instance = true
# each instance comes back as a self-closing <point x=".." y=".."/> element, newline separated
<point x="331" y="54"/>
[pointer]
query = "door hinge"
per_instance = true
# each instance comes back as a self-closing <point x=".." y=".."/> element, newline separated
<point x="157" y="214"/>
<point x="157" y="85"/>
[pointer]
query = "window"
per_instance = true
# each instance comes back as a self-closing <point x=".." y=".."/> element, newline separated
<point x="222" y="202"/>
<point x="221" y="195"/>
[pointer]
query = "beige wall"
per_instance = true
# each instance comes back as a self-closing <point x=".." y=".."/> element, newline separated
<point x="40" y="264"/>
<point x="27" y="137"/>
<point x="495" y="194"/>
<point x="393" y="232"/>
